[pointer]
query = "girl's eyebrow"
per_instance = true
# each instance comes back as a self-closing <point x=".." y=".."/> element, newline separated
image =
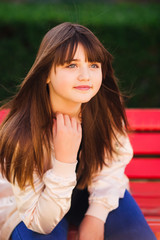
<point x="72" y="60"/>
<point x="77" y="60"/>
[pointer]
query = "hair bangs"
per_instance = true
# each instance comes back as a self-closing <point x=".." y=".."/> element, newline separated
<point x="66" y="51"/>
<point x="93" y="50"/>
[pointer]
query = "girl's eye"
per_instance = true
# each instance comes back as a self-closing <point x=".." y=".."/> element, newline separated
<point x="72" y="65"/>
<point x="94" y="65"/>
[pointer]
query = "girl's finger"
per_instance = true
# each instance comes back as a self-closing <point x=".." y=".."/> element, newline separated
<point x="54" y="127"/>
<point x="59" y="120"/>
<point x="74" y="123"/>
<point x="67" y="121"/>
<point x="79" y="127"/>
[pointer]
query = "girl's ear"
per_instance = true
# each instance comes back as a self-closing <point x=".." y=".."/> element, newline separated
<point x="48" y="80"/>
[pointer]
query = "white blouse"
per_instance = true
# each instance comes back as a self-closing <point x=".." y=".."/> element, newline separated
<point x="44" y="206"/>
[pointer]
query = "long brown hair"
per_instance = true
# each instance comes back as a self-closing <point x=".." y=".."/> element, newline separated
<point x="26" y="133"/>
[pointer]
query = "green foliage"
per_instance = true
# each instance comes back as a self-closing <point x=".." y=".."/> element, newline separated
<point x="129" y="31"/>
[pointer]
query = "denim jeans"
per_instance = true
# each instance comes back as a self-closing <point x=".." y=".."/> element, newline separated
<point x="124" y="223"/>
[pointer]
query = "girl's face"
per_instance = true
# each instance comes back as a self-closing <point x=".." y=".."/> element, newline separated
<point x="76" y="82"/>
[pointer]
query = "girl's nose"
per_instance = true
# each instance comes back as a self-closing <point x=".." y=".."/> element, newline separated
<point x="83" y="74"/>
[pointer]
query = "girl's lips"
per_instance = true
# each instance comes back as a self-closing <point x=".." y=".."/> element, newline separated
<point x="83" y="87"/>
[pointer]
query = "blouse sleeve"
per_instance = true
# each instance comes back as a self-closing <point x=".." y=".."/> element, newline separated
<point x="43" y="207"/>
<point x="111" y="182"/>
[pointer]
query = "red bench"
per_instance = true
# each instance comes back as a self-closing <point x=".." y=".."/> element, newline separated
<point x="144" y="169"/>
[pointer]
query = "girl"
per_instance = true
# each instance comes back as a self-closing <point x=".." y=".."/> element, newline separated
<point x="66" y="130"/>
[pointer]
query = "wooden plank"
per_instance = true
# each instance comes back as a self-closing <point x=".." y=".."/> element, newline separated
<point x="150" y="205"/>
<point x="143" y="168"/>
<point x="153" y="218"/>
<point x="147" y="196"/>
<point x="155" y="226"/>
<point x="145" y="143"/>
<point x="144" y="119"/>
<point x="145" y="189"/>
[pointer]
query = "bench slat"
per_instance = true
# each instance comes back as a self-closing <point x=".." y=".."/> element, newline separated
<point x="143" y="168"/>
<point x="145" y="143"/>
<point x="147" y="195"/>
<point x="150" y="205"/>
<point x="144" y="119"/>
<point x="146" y="189"/>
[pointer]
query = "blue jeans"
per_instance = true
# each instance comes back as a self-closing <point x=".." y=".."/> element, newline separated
<point x="124" y="223"/>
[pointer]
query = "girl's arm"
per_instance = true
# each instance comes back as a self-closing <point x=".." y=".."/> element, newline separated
<point x="42" y="209"/>
<point x="110" y="183"/>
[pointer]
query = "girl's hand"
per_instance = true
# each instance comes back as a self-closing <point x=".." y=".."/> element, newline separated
<point x="91" y="228"/>
<point x="67" y="134"/>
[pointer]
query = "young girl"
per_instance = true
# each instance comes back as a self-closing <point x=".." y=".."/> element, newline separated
<point x="65" y="136"/>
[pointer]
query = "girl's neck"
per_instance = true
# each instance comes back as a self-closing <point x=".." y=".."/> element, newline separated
<point x="71" y="109"/>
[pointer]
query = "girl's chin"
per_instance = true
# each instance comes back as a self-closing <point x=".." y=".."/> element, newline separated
<point x="85" y="100"/>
